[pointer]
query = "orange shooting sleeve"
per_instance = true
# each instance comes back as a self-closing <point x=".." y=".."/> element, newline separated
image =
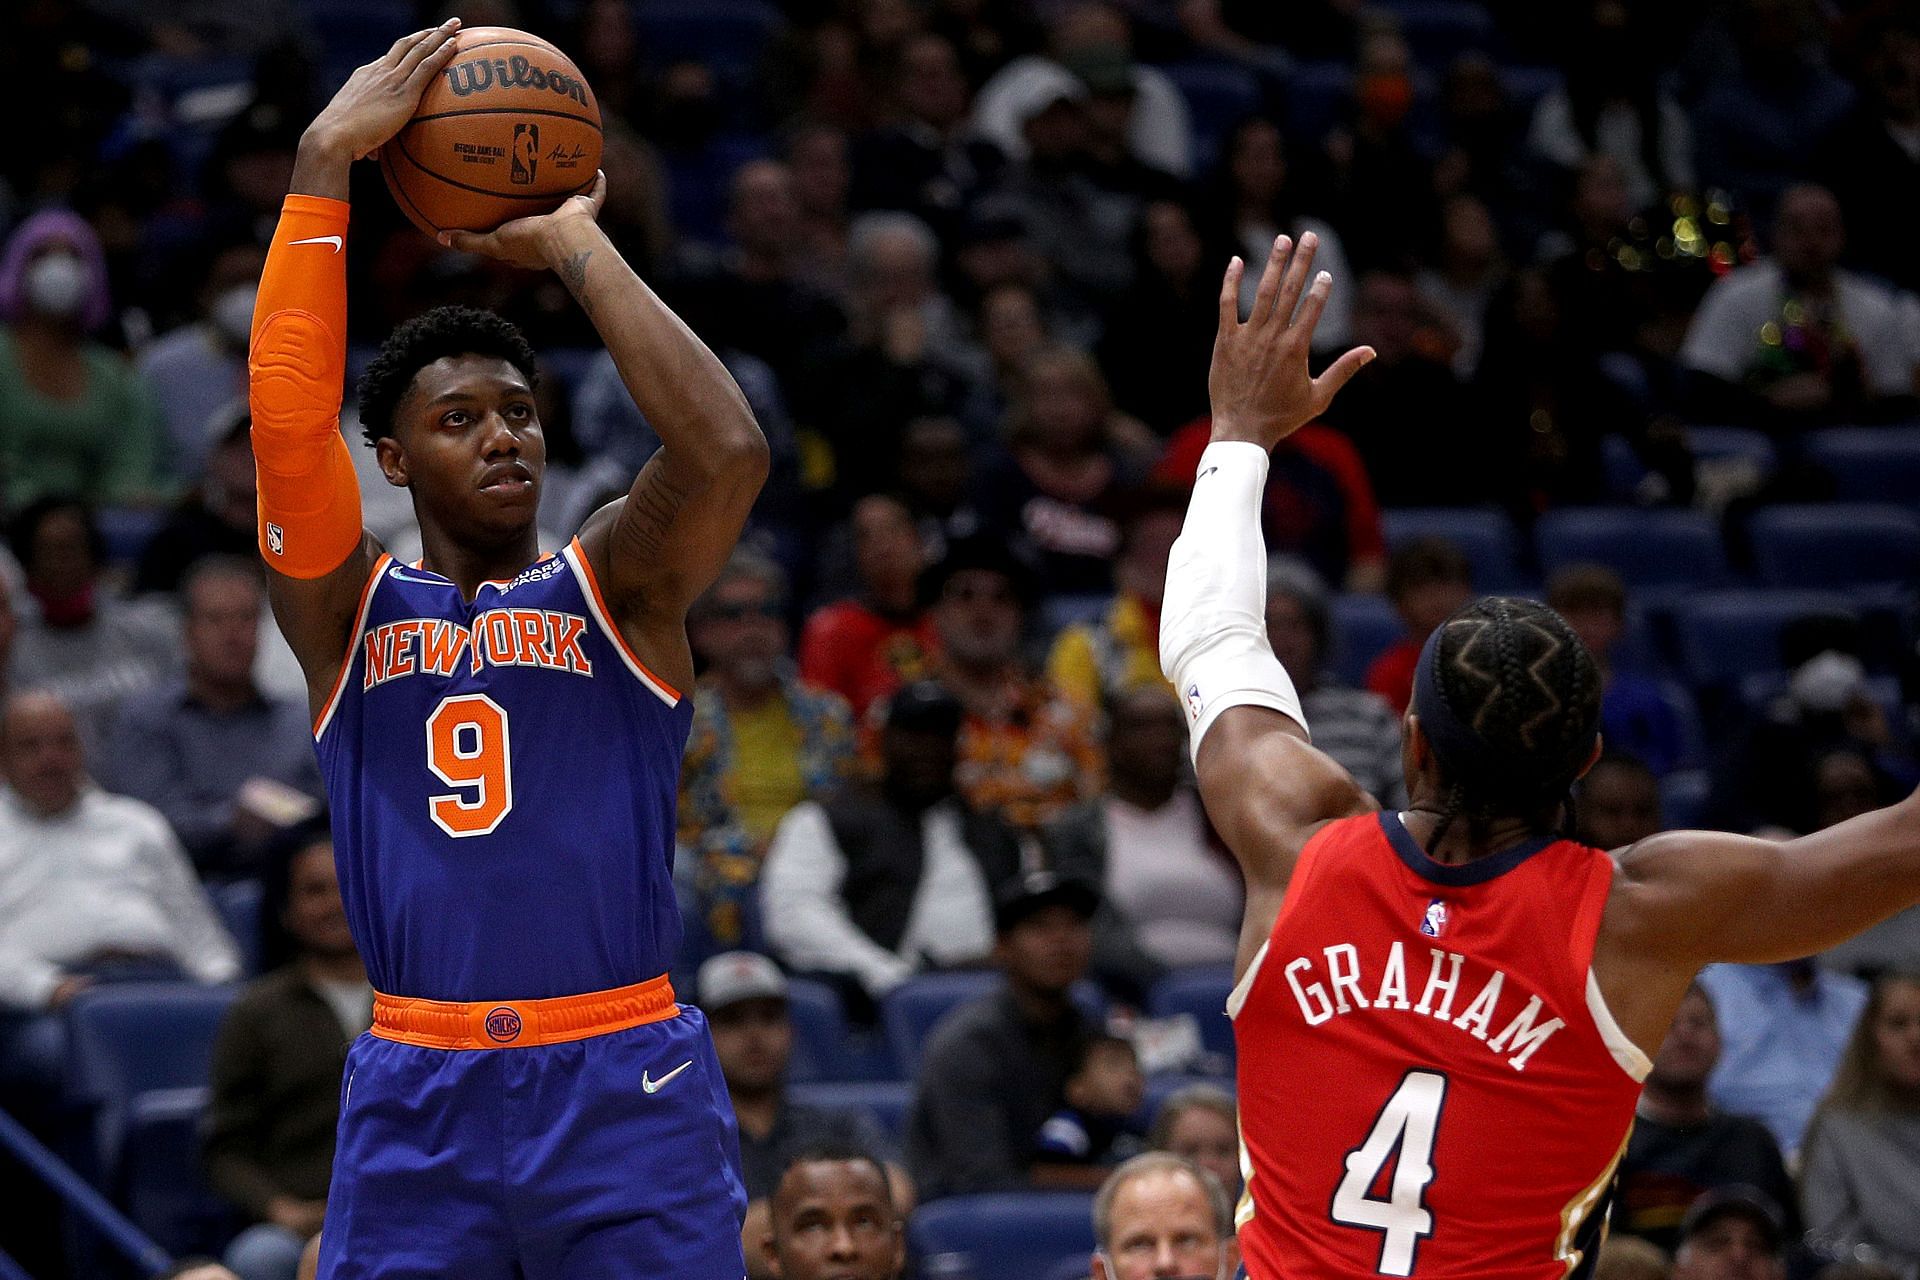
<point x="296" y="370"/>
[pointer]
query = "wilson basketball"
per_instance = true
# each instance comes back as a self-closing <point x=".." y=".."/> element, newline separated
<point x="507" y="130"/>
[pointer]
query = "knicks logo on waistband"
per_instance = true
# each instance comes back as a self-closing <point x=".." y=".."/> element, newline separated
<point x="503" y="1025"/>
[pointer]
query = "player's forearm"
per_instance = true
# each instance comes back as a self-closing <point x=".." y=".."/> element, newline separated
<point x="321" y="165"/>
<point x="685" y="393"/>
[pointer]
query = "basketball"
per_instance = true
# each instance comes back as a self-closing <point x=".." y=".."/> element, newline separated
<point x="507" y="130"/>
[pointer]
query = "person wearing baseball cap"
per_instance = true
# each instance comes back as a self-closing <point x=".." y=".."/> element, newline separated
<point x="1731" y="1233"/>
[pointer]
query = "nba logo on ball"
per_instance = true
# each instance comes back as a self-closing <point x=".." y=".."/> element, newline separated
<point x="503" y="1025"/>
<point x="1434" y="923"/>
<point x="276" y="539"/>
<point x="526" y="153"/>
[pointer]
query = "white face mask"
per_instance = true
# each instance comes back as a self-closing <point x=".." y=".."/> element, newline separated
<point x="56" y="285"/>
<point x="232" y="313"/>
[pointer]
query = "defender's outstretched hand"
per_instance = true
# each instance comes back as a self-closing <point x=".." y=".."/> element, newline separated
<point x="378" y="99"/>
<point x="1259" y="386"/>
<point x="533" y="242"/>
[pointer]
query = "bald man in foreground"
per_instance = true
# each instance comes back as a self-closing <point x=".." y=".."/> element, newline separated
<point x="1160" y="1216"/>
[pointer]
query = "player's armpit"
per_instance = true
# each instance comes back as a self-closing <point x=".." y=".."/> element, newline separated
<point x="1267" y="790"/>
<point x="310" y="522"/>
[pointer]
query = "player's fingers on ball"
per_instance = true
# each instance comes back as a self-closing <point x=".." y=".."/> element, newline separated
<point x="1270" y="278"/>
<point x="1230" y="294"/>
<point x="437" y="42"/>
<point x="404" y="43"/>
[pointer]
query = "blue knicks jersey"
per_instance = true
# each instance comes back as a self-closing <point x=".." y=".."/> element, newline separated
<point x="502" y="777"/>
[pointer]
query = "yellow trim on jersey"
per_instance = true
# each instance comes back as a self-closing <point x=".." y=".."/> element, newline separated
<point x="1577" y="1210"/>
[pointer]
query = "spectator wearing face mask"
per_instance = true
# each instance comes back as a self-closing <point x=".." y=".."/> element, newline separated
<point x="74" y="418"/>
<point x="201" y="367"/>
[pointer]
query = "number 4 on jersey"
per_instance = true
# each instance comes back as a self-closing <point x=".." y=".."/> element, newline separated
<point x="1408" y="1124"/>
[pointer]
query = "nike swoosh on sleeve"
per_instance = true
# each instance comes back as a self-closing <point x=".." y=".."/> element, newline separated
<point x="335" y="241"/>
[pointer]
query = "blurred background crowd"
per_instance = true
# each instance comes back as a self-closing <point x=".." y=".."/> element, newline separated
<point x="1641" y="280"/>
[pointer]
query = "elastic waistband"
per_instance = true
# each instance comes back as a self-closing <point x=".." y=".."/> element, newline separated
<point x="516" y="1024"/>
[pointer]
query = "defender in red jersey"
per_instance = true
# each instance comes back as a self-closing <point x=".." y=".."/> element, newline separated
<point x="1442" y="1014"/>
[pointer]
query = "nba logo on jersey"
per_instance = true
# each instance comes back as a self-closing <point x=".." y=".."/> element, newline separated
<point x="1193" y="701"/>
<point x="276" y="539"/>
<point x="1434" y="923"/>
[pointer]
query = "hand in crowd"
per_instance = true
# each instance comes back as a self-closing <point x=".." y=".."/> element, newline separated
<point x="302" y="1217"/>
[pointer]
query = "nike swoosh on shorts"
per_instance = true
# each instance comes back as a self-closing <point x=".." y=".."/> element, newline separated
<point x="650" y="1085"/>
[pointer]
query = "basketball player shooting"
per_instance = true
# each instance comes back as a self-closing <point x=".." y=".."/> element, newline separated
<point x="501" y="737"/>
<point x="1444" y="1015"/>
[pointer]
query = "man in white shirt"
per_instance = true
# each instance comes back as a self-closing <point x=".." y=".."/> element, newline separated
<point x="1795" y="338"/>
<point x="876" y="883"/>
<point x="89" y="882"/>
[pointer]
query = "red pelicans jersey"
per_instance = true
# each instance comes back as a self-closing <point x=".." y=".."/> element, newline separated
<point x="1430" y="1082"/>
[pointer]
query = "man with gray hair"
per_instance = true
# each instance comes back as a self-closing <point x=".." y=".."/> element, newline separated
<point x="1355" y="726"/>
<point x="1159" y="1216"/>
<point x="762" y="740"/>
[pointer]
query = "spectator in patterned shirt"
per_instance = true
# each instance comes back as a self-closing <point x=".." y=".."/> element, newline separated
<point x="762" y="740"/>
<point x="1355" y="726"/>
<point x="1027" y="752"/>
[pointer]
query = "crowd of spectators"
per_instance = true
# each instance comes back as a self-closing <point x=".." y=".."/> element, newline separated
<point x="963" y="258"/>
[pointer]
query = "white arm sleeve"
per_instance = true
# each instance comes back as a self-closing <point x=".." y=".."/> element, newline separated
<point x="1213" y="620"/>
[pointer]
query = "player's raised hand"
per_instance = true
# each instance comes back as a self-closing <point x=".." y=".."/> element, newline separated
<point x="536" y="241"/>
<point x="1259" y="385"/>
<point x="378" y="99"/>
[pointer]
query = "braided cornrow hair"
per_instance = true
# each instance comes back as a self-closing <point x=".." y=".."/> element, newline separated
<point x="1518" y="677"/>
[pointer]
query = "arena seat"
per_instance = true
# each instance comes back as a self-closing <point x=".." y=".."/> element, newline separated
<point x="1002" y="1235"/>
<point x="1708" y="443"/>
<point x="1362" y="627"/>
<point x="1661" y="548"/>
<point x="1869" y="464"/>
<point x="729" y="35"/>
<point x="1219" y="95"/>
<point x="910" y="1011"/>
<point x="886" y="1102"/>
<point x="1836" y="545"/>
<point x="1485" y="536"/>
<point x="161" y="1181"/>
<point x="1683" y="799"/>
<point x="238" y="903"/>
<point x="1726" y="636"/>
<point x="1202" y="992"/>
<point x="820" y="1033"/>
<point x="1438" y="31"/>
<point x="1162" y="1087"/>
<point x="129" y="1039"/>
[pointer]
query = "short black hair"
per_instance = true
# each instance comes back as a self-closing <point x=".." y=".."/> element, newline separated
<point x="26" y="526"/>
<point x="836" y="1151"/>
<point x="435" y="335"/>
<point x="1516" y="674"/>
<point x="1421" y="561"/>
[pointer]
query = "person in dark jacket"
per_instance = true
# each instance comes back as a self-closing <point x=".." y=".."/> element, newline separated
<point x="269" y="1131"/>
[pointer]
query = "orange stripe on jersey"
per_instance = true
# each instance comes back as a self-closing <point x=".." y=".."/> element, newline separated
<point x="519" y="1024"/>
<point x="353" y="645"/>
<point x="577" y="556"/>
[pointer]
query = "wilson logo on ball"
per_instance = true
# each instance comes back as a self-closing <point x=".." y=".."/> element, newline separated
<point x="480" y="74"/>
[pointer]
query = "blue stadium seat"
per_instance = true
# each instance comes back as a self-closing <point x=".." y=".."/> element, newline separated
<point x="1219" y="95"/>
<point x="1201" y="991"/>
<point x="1525" y="86"/>
<point x="1664" y="548"/>
<point x="911" y="1009"/>
<point x="1726" y="636"/>
<point x="1869" y="464"/>
<point x="238" y="903"/>
<point x="887" y="1102"/>
<point x="1623" y="467"/>
<point x="128" y="530"/>
<point x="1683" y="799"/>
<point x="1836" y="545"/>
<point x="1317" y="97"/>
<point x="1002" y="1236"/>
<point x="1439" y="31"/>
<point x="129" y="1039"/>
<point x="1485" y="537"/>
<point x="698" y="183"/>
<point x="729" y="35"/>
<point x="820" y="1035"/>
<point x="1739" y="443"/>
<point x="161" y="1182"/>
<point x="1686" y="714"/>
<point x="1074" y="1268"/>
<point x="1362" y="627"/>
